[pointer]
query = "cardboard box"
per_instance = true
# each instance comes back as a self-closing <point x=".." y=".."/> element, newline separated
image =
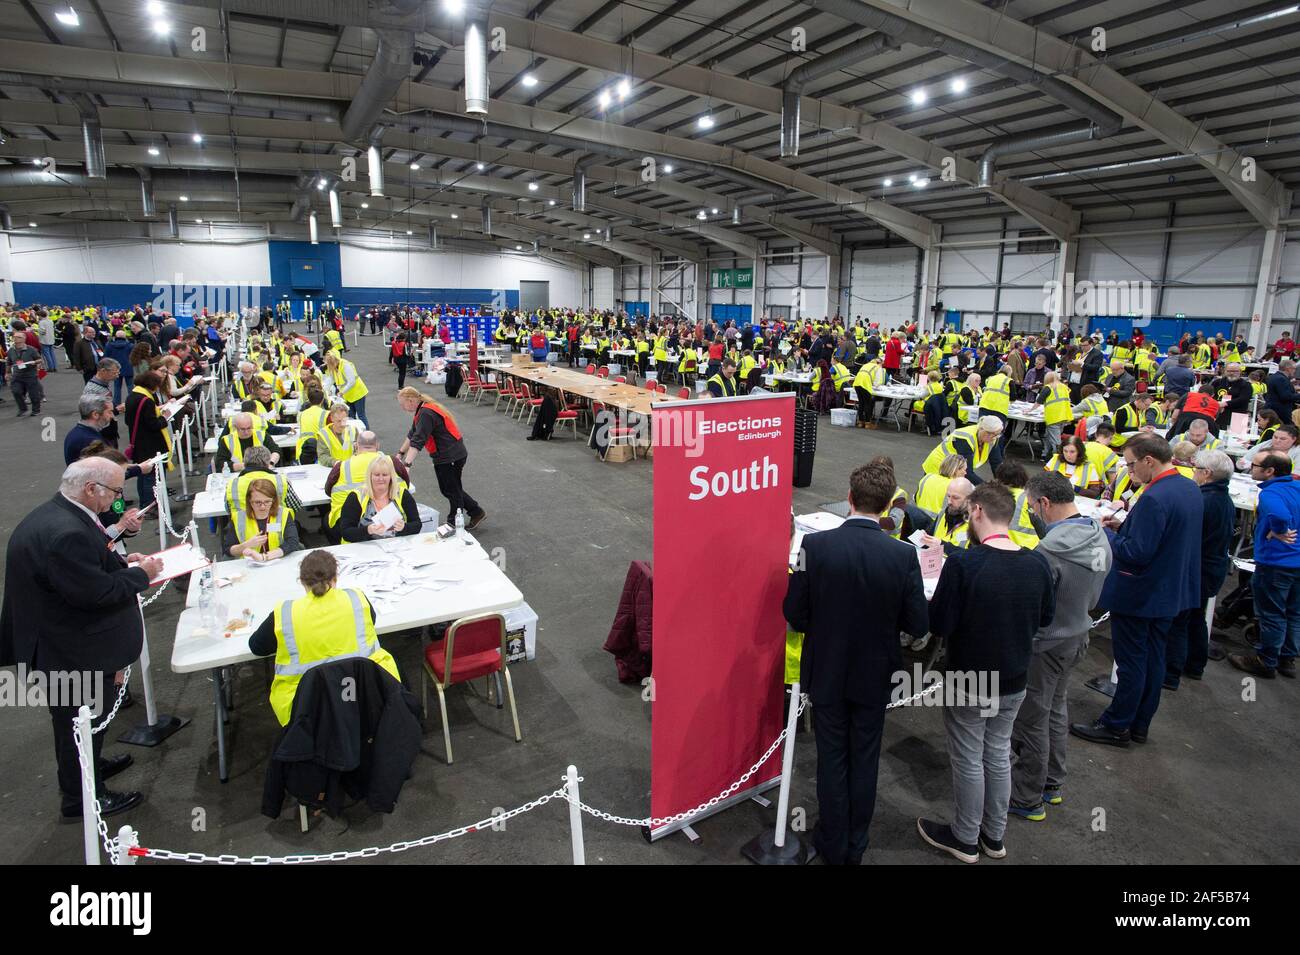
<point x="521" y="359"/>
<point x="619" y="453"/>
<point x="521" y="633"/>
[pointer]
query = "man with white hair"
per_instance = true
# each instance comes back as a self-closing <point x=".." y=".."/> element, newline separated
<point x="70" y="613"/>
<point x="1118" y="384"/>
<point x="973" y="442"/>
<point x="244" y="386"/>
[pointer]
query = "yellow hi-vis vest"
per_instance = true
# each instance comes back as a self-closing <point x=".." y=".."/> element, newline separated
<point x="247" y="528"/>
<point x="839" y="375"/>
<point x="869" y="376"/>
<point x="352" y="478"/>
<point x="1102" y="458"/>
<point x="310" y="422"/>
<point x="1094" y="407"/>
<point x="1021" y="530"/>
<point x="333" y="341"/>
<point x="931" y="493"/>
<point x="958" y="536"/>
<point x="962" y="437"/>
<point x="997" y="394"/>
<point x="243" y="389"/>
<point x="236" y="446"/>
<point x="899" y="493"/>
<point x="687" y="362"/>
<point x="237" y="492"/>
<point x="358" y="389"/>
<point x="313" y="630"/>
<point x="747" y="364"/>
<point x="661" y="348"/>
<point x="1082" y="475"/>
<point x="932" y="389"/>
<point x="728" y="385"/>
<point x="1056" y="405"/>
<point x="339" y="448"/>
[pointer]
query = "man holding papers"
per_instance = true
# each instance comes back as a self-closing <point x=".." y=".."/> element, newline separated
<point x="70" y="609"/>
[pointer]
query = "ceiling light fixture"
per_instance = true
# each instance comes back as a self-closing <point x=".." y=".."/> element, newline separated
<point x="550" y="202"/>
<point x="198" y="222"/>
<point x="454" y="6"/>
<point x="958" y="85"/>
<point x="532" y="187"/>
<point x="409" y="232"/>
<point x="455" y="216"/>
<point x="586" y="235"/>
<point x="668" y="167"/>
<point x="529" y="80"/>
<point x="415" y="166"/>
<point x="922" y="183"/>
<point x="714" y="211"/>
<point x="153" y="151"/>
<point x="68" y="18"/>
<point x="184" y="198"/>
<point x="36" y="162"/>
<point x="911" y="177"/>
<point x="31" y="225"/>
<point x="605" y="99"/>
<point x="918" y="97"/>
<point x="624" y="87"/>
<point x="704" y="122"/>
<point x="320" y="184"/>
<point x="519" y="248"/>
<point x="365" y="205"/>
<point x="197" y="137"/>
<point x="154" y="7"/>
<point x="480" y="166"/>
<point x="162" y="27"/>
<point x="887" y="183"/>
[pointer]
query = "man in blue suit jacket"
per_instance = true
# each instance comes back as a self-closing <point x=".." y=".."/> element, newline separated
<point x="856" y="590"/>
<point x="1155" y="576"/>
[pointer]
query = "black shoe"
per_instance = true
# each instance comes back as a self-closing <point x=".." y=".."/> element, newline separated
<point x="476" y="521"/>
<point x="1250" y="663"/>
<point x="941" y="838"/>
<point x="531" y="437"/>
<point x="1217" y="652"/>
<point x="993" y="848"/>
<point x="1137" y="735"/>
<point x="1171" y="683"/>
<point x="21" y="412"/>
<point x="35" y="413"/>
<point x="128" y="700"/>
<point x="110" y="766"/>
<point x="1194" y="676"/>
<point x="1286" y="668"/>
<point x="110" y="804"/>
<point x="1099" y="732"/>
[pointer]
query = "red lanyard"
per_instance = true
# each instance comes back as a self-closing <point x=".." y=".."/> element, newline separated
<point x="993" y="537"/>
<point x="1162" y="476"/>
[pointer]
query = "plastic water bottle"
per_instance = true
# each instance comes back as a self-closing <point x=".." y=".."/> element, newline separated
<point x="460" y="523"/>
<point x="206" y="590"/>
<point x="225" y="471"/>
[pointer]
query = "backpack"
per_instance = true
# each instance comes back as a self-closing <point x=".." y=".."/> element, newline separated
<point x="454" y="380"/>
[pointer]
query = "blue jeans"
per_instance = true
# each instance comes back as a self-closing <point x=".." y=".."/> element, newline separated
<point x="357" y="409"/>
<point x="51" y="363"/>
<point x="1277" y="607"/>
<point x="1139" y="645"/>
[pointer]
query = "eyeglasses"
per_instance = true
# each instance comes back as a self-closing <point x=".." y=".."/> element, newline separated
<point x="117" y="491"/>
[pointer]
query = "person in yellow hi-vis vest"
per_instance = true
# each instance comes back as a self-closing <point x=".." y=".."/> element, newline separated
<point x="1057" y="411"/>
<point x="311" y="418"/>
<point x="972" y="442"/>
<point x="326" y="624"/>
<point x="337" y="440"/>
<point x="264" y="529"/>
<point x="347" y="384"/>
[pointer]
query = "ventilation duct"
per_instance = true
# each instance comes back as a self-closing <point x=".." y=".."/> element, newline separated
<point x="1028" y="142"/>
<point x="486" y="210"/>
<point x="609" y="233"/>
<point x="375" y="165"/>
<point x="336" y="211"/>
<point x="433" y="236"/>
<point x="579" y="188"/>
<point x="146" y="192"/>
<point x="388" y="71"/>
<point x="735" y="216"/>
<point x="302" y="200"/>
<point x="312" y="230"/>
<point x="6" y="220"/>
<point x="476" y="72"/>
<point x="1102" y="122"/>
<point x="173" y="222"/>
<point x="92" y="136"/>
<point x="792" y="90"/>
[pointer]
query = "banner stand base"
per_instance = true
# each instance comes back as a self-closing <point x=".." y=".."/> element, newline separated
<point x="654" y="835"/>
<point x="1102" y="685"/>
<point x="147" y="734"/>
<point x="762" y="850"/>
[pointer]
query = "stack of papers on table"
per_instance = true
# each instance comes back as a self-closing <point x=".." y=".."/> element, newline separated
<point x="818" y="521"/>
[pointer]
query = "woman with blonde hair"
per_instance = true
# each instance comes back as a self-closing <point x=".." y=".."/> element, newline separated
<point x="347" y="383"/>
<point x="434" y="429"/>
<point x="357" y="521"/>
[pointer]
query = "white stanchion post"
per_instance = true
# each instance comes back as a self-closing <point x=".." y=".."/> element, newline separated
<point x="156" y="728"/>
<point x="575" y="817"/>
<point x="1209" y="615"/>
<point x="89" y="832"/>
<point x="127" y="839"/>
<point x="184" y="465"/>
<point x="782" y="847"/>
<point x="164" y="502"/>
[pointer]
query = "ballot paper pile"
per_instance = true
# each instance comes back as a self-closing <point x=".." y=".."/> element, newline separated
<point x="390" y="572"/>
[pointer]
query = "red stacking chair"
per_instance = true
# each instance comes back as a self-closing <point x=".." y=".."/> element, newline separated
<point x="531" y="403"/>
<point x="602" y="371"/>
<point x="684" y="393"/>
<point x="591" y="369"/>
<point x="472" y="647"/>
<point x="618" y="434"/>
<point x="507" y="391"/>
<point x="569" y="415"/>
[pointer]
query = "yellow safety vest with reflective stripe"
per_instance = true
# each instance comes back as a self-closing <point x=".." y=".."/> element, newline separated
<point x="352" y="478"/>
<point x="237" y="491"/>
<point x="931" y="493"/>
<point x="897" y="532"/>
<point x="1102" y="458"/>
<point x="358" y="389"/>
<point x="1056" y="406"/>
<point x="958" y="536"/>
<point x="747" y="364"/>
<point x="728" y="385"/>
<point x="963" y="403"/>
<point x="247" y="529"/>
<point x="962" y="436"/>
<point x="313" y="630"/>
<point x="839" y="375"/>
<point x="236" y="446"/>
<point x="661" y="349"/>
<point x="1081" y="476"/>
<point x="333" y="341"/>
<point x="934" y="388"/>
<point x="997" y="394"/>
<point x="1094" y="407"/>
<point x="869" y="376"/>
<point x="1144" y="362"/>
<point x="1204" y="356"/>
<point x="793" y="653"/>
<point x="1021" y="529"/>
<point x="339" y="448"/>
<point x="310" y="421"/>
<point x="687" y="363"/>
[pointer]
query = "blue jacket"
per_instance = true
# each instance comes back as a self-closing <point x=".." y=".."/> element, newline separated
<point x="1278" y="509"/>
<point x="1281" y="396"/>
<point x="1156" y="571"/>
<point x="1178" y="380"/>
<point x="119" y="350"/>
<point x="1216" y="536"/>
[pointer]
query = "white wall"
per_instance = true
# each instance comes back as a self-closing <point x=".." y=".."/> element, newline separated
<point x="36" y="258"/>
<point x="368" y="267"/>
<point x="6" y="272"/>
<point x="602" y="288"/>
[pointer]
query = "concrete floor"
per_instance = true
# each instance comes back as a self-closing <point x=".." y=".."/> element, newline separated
<point x="1210" y="787"/>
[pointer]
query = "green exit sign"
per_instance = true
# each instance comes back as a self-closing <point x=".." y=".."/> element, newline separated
<point x="1179" y="315"/>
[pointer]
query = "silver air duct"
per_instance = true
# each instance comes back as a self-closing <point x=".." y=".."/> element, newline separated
<point x="579" y="188"/>
<point x="6" y="220"/>
<point x="173" y="222"/>
<point x="146" y="192"/>
<point x="433" y="236"/>
<point x="375" y="166"/>
<point x="792" y="89"/>
<point x="389" y="69"/>
<point x="312" y="229"/>
<point x="336" y="211"/>
<point x="92" y="136"/>
<point x="486" y="210"/>
<point x="476" y="73"/>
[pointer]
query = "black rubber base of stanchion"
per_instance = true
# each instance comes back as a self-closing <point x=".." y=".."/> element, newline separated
<point x="147" y="735"/>
<point x="762" y="850"/>
<point x="182" y="497"/>
<point x="1102" y="685"/>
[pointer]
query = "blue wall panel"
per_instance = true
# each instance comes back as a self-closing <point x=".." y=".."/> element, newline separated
<point x="1164" y="331"/>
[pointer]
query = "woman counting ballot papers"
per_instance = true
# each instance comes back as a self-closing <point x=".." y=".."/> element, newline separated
<point x="383" y="507"/>
<point x="265" y="529"/>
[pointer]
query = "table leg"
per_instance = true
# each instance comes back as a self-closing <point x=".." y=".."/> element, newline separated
<point x="223" y="770"/>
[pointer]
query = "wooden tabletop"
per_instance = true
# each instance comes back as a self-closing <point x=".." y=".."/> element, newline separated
<point x="624" y="396"/>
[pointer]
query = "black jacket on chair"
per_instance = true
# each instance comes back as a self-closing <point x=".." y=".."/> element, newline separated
<point x="69" y="602"/>
<point x="360" y="739"/>
<point x="858" y="590"/>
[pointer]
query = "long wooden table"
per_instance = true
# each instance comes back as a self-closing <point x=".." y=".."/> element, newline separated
<point x="624" y="397"/>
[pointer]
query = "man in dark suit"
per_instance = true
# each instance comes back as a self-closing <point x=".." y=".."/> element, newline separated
<point x="70" y="608"/>
<point x="850" y="655"/>
<point x="87" y="353"/>
<point x="1281" y="396"/>
<point x="1155" y="575"/>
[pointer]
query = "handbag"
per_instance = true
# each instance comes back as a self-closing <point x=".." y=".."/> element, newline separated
<point x="130" y="448"/>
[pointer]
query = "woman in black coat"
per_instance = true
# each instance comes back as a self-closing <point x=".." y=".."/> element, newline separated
<point x="147" y="433"/>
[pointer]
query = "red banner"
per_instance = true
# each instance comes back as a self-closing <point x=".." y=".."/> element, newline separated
<point x="473" y="348"/>
<point x="722" y="490"/>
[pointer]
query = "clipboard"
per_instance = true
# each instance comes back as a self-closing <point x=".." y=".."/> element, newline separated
<point x="178" y="561"/>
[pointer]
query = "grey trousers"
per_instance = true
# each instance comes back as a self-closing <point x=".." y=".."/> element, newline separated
<point x="979" y="748"/>
<point x="1052" y="438"/>
<point x="1038" y="738"/>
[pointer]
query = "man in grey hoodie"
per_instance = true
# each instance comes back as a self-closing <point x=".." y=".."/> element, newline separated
<point x="1079" y="555"/>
